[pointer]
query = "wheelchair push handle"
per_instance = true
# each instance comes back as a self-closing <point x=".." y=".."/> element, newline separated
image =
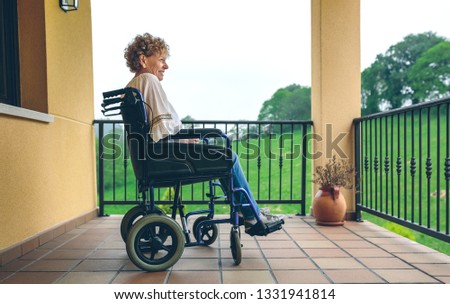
<point x="113" y="93"/>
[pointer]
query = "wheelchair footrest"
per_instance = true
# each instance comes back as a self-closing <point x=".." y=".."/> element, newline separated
<point x="261" y="229"/>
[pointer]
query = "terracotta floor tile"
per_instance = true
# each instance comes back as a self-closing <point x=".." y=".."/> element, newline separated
<point x="300" y="277"/>
<point x="301" y="230"/>
<point x="81" y="244"/>
<point x="88" y="278"/>
<point x="445" y="280"/>
<point x="389" y="240"/>
<point x="296" y="221"/>
<point x="100" y="265"/>
<point x="135" y="277"/>
<point x="94" y="235"/>
<point x="424" y="258"/>
<point x="67" y="254"/>
<point x="315" y="244"/>
<point x="405" y="248"/>
<point x="246" y="253"/>
<point x="349" y="236"/>
<point x="112" y="244"/>
<point x="16" y="265"/>
<point x="52" y="265"/>
<point x="5" y="274"/>
<point x="108" y="254"/>
<point x="247" y="277"/>
<point x="246" y="264"/>
<point x="201" y="252"/>
<point x="368" y="252"/>
<point x="64" y="237"/>
<point x="371" y="234"/>
<point x="355" y="276"/>
<point x="277" y="244"/>
<point x="302" y="263"/>
<point x="245" y="244"/>
<point x="276" y="236"/>
<point x="129" y="266"/>
<point x="51" y="245"/>
<point x="405" y="276"/>
<point x="285" y="253"/>
<point x="329" y="230"/>
<point x="326" y="252"/>
<point x="308" y="237"/>
<point x="354" y="244"/>
<point x="194" y="277"/>
<point x="384" y="263"/>
<point x="76" y="231"/>
<point x="35" y="254"/>
<point x="48" y="277"/>
<point x="435" y="269"/>
<point x="196" y="264"/>
<point x="338" y="263"/>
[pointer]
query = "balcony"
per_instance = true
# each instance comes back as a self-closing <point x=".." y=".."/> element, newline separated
<point x="302" y="252"/>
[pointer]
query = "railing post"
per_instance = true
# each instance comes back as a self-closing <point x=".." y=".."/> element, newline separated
<point x="101" y="182"/>
<point x="357" y="156"/>
<point x="304" y="152"/>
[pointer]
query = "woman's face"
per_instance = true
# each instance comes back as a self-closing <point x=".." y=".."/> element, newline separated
<point x="155" y="64"/>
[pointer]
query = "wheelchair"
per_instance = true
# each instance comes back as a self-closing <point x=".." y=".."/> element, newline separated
<point x="156" y="241"/>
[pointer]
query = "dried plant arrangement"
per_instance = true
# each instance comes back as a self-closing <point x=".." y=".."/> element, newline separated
<point x="335" y="173"/>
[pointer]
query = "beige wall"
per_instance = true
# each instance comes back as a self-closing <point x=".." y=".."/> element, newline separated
<point x="48" y="169"/>
<point x="336" y="78"/>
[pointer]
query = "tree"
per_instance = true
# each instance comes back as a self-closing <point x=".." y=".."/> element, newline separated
<point x="386" y="82"/>
<point x="290" y="103"/>
<point x="430" y="75"/>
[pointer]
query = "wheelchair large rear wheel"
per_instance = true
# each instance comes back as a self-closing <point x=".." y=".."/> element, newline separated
<point x="155" y="243"/>
<point x="235" y="245"/>
<point x="208" y="233"/>
<point x="131" y="217"/>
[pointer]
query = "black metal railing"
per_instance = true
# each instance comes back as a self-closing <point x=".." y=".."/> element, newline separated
<point x="273" y="155"/>
<point x="402" y="158"/>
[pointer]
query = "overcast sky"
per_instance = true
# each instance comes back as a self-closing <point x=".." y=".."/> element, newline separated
<point x="229" y="56"/>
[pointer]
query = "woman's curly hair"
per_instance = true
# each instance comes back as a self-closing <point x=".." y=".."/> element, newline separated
<point x="143" y="44"/>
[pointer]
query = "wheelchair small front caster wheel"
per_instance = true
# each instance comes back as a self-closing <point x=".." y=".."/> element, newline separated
<point x="235" y="245"/>
<point x="208" y="233"/>
<point x="155" y="243"/>
<point x="131" y="217"/>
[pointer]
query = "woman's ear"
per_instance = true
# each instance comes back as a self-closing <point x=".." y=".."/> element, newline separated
<point x="143" y="61"/>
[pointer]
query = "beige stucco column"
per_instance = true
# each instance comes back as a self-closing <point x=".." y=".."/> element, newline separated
<point x="336" y="79"/>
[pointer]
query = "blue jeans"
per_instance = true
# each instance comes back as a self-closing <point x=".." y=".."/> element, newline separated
<point x="239" y="181"/>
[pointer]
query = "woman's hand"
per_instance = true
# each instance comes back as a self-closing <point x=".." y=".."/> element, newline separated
<point x="189" y="141"/>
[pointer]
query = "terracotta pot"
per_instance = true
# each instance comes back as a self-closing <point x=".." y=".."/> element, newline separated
<point x="329" y="207"/>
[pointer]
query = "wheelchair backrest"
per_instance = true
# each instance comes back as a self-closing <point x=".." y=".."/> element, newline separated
<point x="129" y="103"/>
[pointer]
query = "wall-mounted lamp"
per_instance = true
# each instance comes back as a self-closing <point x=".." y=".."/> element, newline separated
<point x="68" y="5"/>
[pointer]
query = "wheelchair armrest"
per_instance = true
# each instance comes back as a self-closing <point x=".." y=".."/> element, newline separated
<point x="200" y="133"/>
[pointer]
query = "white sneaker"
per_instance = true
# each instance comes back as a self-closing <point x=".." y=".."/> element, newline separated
<point x="265" y="219"/>
<point x="266" y="212"/>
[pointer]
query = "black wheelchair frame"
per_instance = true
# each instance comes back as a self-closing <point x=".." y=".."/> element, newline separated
<point x="155" y="241"/>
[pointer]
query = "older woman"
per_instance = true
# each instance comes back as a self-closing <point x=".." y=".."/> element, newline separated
<point x="146" y="56"/>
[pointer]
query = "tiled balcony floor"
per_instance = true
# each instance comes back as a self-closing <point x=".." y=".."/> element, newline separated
<point x="302" y="252"/>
